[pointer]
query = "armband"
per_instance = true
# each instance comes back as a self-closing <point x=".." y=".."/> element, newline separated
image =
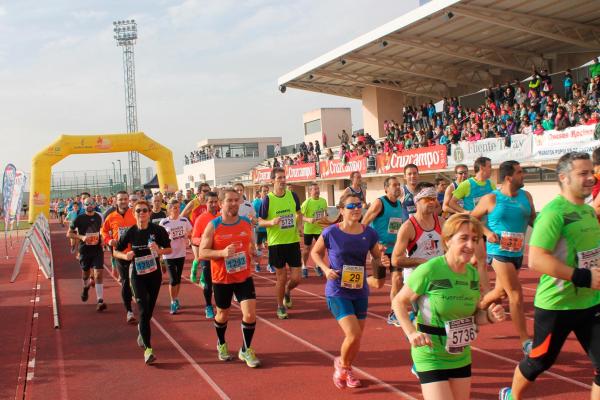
<point x="582" y="277"/>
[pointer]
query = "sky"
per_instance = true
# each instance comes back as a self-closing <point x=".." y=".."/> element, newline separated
<point x="204" y="69"/>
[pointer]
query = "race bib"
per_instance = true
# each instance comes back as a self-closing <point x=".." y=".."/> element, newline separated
<point x="460" y="333"/>
<point x="319" y="214"/>
<point x="589" y="259"/>
<point x="511" y="241"/>
<point x="145" y="265"/>
<point x="92" y="239"/>
<point x="353" y="276"/>
<point x="177" y="233"/>
<point x="236" y="263"/>
<point x="287" y="221"/>
<point x="394" y="225"/>
<point x="122" y="231"/>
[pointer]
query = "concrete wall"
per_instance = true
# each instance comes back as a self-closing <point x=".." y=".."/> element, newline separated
<point x="216" y="171"/>
<point x="380" y="105"/>
<point x="333" y="121"/>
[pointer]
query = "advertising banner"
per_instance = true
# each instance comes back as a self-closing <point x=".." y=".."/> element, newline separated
<point x="261" y="175"/>
<point x="16" y="196"/>
<point x="426" y="158"/>
<point x="553" y="144"/>
<point x="8" y="183"/>
<point x="465" y="152"/>
<point x="337" y="169"/>
<point x="300" y="172"/>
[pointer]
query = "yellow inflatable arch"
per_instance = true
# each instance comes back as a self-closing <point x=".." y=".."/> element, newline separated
<point x="65" y="145"/>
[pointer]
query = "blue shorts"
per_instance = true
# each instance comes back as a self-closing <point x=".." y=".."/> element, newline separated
<point x="341" y="307"/>
<point x="516" y="261"/>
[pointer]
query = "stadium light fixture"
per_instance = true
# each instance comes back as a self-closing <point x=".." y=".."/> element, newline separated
<point x="125" y="32"/>
<point x="448" y="16"/>
<point x="383" y="44"/>
<point x="282" y="88"/>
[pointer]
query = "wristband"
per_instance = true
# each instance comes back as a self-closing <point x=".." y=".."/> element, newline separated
<point x="582" y="277"/>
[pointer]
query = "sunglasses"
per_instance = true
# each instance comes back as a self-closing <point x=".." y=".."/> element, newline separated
<point x="352" y="206"/>
<point x="141" y="210"/>
<point x="88" y="204"/>
<point x="461" y="172"/>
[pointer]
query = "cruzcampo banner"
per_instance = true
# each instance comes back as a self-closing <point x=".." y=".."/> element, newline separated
<point x="337" y="169"/>
<point x="425" y="158"/>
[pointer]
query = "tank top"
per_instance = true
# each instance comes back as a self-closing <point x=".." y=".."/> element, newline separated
<point x="426" y="244"/>
<point x="234" y="269"/>
<point x="509" y="220"/>
<point x="285" y="208"/>
<point x="408" y="205"/>
<point x="360" y="194"/>
<point x="476" y="193"/>
<point x="388" y="223"/>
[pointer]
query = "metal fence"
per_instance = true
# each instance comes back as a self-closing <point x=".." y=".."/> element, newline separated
<point x="71" y="183"/>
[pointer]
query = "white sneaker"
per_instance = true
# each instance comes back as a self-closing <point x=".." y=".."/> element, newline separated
<point x="131" y="318"/>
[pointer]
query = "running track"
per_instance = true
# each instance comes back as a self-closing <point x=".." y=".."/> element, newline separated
<point x="94" y="356"/>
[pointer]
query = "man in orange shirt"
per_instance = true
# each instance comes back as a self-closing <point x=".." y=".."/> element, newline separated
<point x="212" y="205"/>
<point x="114" y="226"/>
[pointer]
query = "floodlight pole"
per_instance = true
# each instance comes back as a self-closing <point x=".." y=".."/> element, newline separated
<point x="126" y="35"/>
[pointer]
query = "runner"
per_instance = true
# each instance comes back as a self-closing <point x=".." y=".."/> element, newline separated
<point x="509" y="210"/>
<point x="61" y="211"/>
<point x="70" y="218"/>
<point x="192" y="210"/>
<point x="313" y="209"/>
<point x="565" y="248"/>
<point x="227" y="243"/>
<point x="280" y="214"/>
<point x="446" y="290"/>
<point x="146" y="242"/>
<point x="212" y="203"/>
<point x="246" y="208"/>
<point x="385" y="216"/>
<point x="471" y="191"/>
<point x="348" y="242"/>
<point x="179" y="230"/>
<point x="461" y="172"/>
<point x="356" y="187"/>
<point x="86" y="228"/>
<point x="114" y="227"/>
<point x="157" y="214"/>
<point x="261" y="232"/>
<point x="407" y="191"/>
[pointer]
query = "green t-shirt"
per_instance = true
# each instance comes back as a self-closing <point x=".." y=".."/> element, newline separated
<point x="567" y="230"/>
<point x="312" y="208"/>
<point x="444" y="296"/>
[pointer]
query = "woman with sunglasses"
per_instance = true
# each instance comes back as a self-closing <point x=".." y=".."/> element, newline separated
<point x="148" y="242"/>
<point x="348" y="242"/>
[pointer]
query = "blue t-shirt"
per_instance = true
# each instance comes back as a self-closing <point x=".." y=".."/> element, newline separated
<point x="347" y="249"/>
<point x="257" y="203"/>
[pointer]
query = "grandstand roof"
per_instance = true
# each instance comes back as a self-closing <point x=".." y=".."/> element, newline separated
<point x="456" y="47"/>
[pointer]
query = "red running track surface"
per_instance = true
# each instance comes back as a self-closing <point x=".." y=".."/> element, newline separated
<point x="95" y="356"/>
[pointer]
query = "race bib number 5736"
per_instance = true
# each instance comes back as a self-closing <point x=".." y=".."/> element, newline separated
<point x="460" y="332"/>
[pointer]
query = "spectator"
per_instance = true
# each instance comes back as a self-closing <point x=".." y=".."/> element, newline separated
<point x="595" y="68"/>
<point x="277" y="150"/>
<point x="568" y="85"/>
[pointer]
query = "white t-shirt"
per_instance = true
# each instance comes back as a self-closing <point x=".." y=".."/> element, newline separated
<point x="178" y="230"/>
<point x="246" y="210"/>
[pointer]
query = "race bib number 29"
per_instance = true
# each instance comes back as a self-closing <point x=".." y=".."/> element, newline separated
<point x="353" y="276"/>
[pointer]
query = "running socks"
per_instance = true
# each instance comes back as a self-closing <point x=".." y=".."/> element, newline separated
<point x="221" y="328"/>
<point x="248" y="332"/>
<point x="100" y="291"/>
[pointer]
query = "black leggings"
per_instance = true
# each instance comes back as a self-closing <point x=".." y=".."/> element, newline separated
<point x="126" y="295"/>
<point x="208" y="290"/>
<point x="145" y="289"/>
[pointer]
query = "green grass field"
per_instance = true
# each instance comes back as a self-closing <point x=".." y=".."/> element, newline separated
<point x="23" y="225"/>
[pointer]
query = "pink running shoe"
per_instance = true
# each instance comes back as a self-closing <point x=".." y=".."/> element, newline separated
<point x="351" y="380"/>
<point x="339" y="374"/>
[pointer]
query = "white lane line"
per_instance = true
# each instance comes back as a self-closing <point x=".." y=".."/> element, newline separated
<point x="557" y="376"/>
<point x="184" y="353"/>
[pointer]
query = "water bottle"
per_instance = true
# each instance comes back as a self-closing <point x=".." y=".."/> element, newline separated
<point x="150" y="241"/>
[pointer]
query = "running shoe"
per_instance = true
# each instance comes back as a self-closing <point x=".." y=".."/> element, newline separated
<point x="140" y="341"/>
<point x="392" y="320"/>
<point x="131" y="318"/>
<point x="351" y="380"/>
<point x="177" y="304"/>
<point x="527" y="346"/>
<point x="287" y="300"/>
<point x="413" y="370"/>
<point x="223" y="352"/>
<point x="270" y="269"/>
<point x="505" y="394"/>
<point x="209" y="312"/>
<point x="304" y="272"/>
<point x="257" y="267"/>
<point x="249" y="357"/>
<point x="149" y="356"/>
<point x="339" y="374"/>
<point x="84" y="293"/>
<point x="101" y="306"/>
<point x="173" y="308"/>
<point x="319" y="271"/>
<point x="282" y="313"/>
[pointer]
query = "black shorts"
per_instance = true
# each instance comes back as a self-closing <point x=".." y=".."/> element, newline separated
<point x="516" y="261"/>
<point x="550" y="330"/>
<point x="224" y="292"/>
<point x="91" y="260"/>
<point x="439" y="375"/>
<point x="175" y="269"/>
<point x="282" y="254"/>
<point x="308" y="238"/>
<point x="261" y="237"/>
